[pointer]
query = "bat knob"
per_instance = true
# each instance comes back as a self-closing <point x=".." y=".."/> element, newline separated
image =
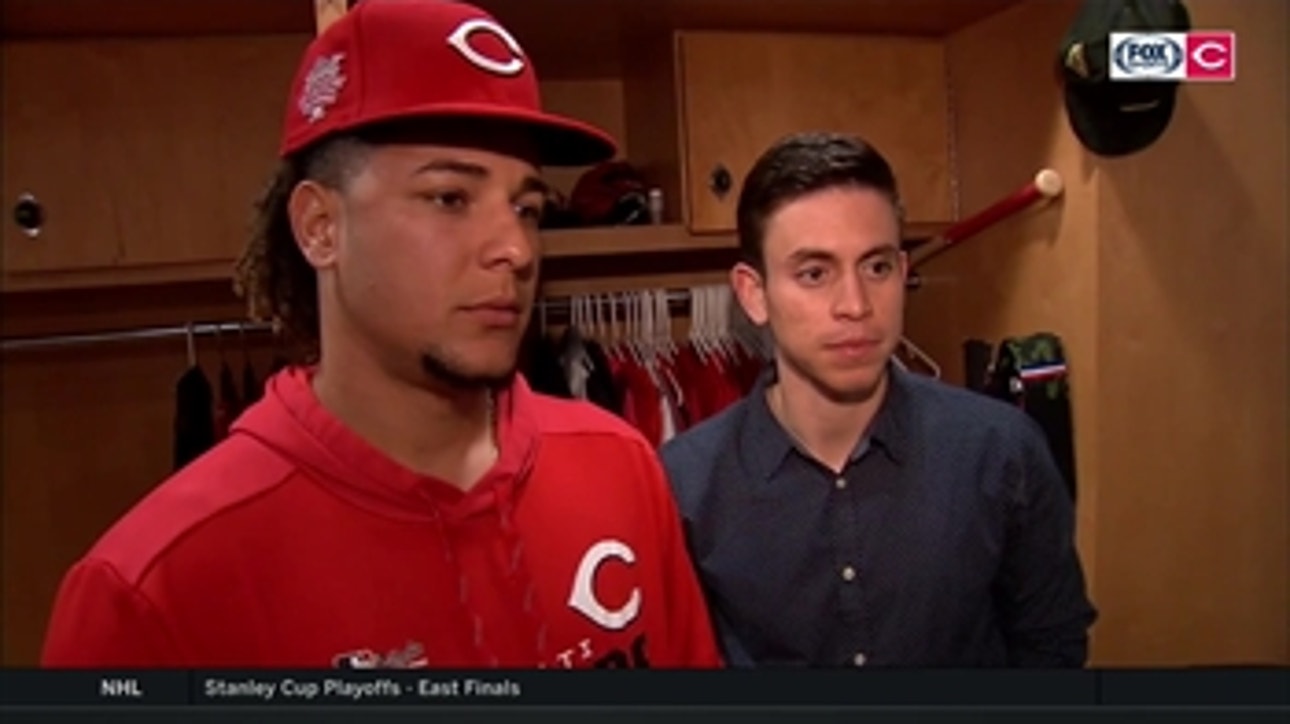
<point x="1049" y="183"/>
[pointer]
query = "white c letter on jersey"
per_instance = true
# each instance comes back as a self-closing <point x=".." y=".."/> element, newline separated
<point x="583" y="597"/>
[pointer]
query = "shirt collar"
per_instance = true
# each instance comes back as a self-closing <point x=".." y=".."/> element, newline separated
<point x="765" y="442"/>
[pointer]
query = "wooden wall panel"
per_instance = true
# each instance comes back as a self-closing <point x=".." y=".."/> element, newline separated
<point x="1192" y="552"/>
<point x="1171" y="294"/>
<point x="87" y="430"/>
<point x="1037" y="270"/>
<point x="728" y="123"/>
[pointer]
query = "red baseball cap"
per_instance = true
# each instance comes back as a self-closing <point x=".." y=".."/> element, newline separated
<point x="398" y="59"/>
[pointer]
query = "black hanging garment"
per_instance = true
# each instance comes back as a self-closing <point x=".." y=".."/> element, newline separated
<point x="1031" y="372"/>
<point x="600" y="382"/>
<point x="228" y="405"/>
<point x="252" y="388"/>
<point x="194" y="417"/>
<point x="279" y="362"/>
<point x="540" y="361"/>
<point x="976" y="364"/>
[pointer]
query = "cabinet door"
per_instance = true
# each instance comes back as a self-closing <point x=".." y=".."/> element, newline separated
<point x="198" y="140"/>
<point x="742" y="91"/>
<point x="144" y="153"/>
<point x="56" y="147"/>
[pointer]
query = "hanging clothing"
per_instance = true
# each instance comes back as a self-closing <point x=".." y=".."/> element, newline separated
<point x="279" y="363"/>
<point x="194" y="422"/>
<point x="252" y="388"/>
<point x="976" y="364"/>
<point x="666" y="394"/>
<point x="575" y="362"/>
<point x="661" y="392"/>
<point x="641" y="405"/>
<point x="1031" y="372"/>
<point x="540" y="362"/>
<point x="600" y="387"/>
<point x="228" y="403"/>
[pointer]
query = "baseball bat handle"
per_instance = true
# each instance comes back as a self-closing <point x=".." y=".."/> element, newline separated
<point x="1046" y="184"/>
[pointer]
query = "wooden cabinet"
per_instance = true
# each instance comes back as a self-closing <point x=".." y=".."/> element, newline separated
<point x="147" y="151"/>
<point x="58" y="147"/>
<point x="739" y="92"/>
<point x="142" y="154"/>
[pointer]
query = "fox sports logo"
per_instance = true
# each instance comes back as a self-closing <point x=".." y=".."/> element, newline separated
<point x="1148" y="55"/>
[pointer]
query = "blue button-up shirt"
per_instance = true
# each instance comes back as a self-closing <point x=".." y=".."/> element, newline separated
<point x="948" y="539"/>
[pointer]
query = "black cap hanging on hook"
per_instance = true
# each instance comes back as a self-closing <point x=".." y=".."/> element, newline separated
<point x="1115" y="117"/>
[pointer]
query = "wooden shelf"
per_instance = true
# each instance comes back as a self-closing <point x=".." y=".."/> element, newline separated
<point x="622" y="240"/>
<point x="631" y="240"/>
<point x="632" y="244"/>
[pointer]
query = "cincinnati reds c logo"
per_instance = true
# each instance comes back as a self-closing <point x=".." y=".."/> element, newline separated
<point x="1210" y="55"/>
<point x="460" y="41"/>
<point x="583" y="597"/>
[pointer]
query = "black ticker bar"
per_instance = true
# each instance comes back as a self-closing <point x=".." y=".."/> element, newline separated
<point x="996" y="689"/>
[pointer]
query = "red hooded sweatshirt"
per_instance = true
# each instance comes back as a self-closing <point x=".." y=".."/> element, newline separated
<point x="294" y="543"/>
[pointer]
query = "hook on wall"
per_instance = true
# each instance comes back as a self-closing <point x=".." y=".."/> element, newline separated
<point x="191" y="337"/>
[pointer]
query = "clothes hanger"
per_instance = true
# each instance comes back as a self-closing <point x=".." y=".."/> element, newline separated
<point x="668" y="346"/>
<point x="597" y="319"/>
<point x="721" y="317"/>
<point x="631" y="300"/>
<point x="745" y="332"/>
<point x="241" y="339"/>
<point x="648" y="328"/>
<point x="665" y="311"/>
<point x="192" y="345"/>
<point x="696" y="335"/>
<point x="921" y="356"/>
<point x="614" y="348"/>
<point x="713" y="321"/>
<point x="219" y="344"/>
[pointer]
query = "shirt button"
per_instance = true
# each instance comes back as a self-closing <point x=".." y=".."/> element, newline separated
<point x="841" y="483"/>
<point x="860" y="659"/>
<point x="848" y="573"/>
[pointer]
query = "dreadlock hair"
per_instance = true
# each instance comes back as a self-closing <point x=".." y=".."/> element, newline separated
<point x="272" y="275"/>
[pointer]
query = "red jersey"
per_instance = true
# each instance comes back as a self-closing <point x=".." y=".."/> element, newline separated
<point x="294" y="543"/>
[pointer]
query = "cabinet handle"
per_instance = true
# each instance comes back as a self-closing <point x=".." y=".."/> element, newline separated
<point x="29" y="215"/>
<point x="720" y="181"/>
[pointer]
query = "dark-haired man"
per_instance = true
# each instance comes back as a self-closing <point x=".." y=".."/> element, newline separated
<point x="847" y="512"/>
<point x="403" y="499"/>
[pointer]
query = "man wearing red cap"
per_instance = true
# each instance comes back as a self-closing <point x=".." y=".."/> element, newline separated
<point x="401" y="498"/>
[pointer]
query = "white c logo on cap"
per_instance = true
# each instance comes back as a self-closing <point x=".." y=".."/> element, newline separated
<point x="460" y="39"/>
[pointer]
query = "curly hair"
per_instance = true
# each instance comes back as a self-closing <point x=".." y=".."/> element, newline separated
<point x="272" y="275"/>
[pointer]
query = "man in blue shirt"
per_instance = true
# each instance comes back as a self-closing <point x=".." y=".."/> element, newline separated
<point x="848" y="512"/>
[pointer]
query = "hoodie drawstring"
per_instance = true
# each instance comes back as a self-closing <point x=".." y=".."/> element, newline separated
<point x="463" y="596"/>
<point x="518" y="574"/>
